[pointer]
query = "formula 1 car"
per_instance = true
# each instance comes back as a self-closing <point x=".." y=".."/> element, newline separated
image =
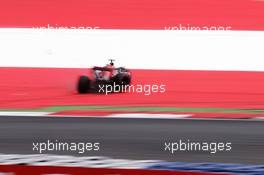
<point x="107" y="76"/>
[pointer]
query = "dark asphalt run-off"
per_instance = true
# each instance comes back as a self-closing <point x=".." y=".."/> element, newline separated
<point x="137" y="139"/>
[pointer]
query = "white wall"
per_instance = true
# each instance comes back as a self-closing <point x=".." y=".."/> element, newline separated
<point x="191" y="50"/>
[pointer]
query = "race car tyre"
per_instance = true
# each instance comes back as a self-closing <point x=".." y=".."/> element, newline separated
<point x="83" y="84"/>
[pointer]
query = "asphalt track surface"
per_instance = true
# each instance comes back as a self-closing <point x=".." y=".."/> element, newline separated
<point x="136" y="138"/>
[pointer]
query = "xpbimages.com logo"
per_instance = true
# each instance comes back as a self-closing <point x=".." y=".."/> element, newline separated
<point x="145" y="89"/>
<point x="51" y="146"/>
<point x="188" y="145"/>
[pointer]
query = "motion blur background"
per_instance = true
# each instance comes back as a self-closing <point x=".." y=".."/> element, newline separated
<point x="214" y="84"/>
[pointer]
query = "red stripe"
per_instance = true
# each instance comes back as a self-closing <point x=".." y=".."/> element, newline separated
<point x="136" y="14"/>
<point x="41" y="87"/>
<point x="40" y="170"/>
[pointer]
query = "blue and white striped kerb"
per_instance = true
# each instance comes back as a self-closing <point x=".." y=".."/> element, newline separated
<point x="210" y="167"/>
<point x="106" y="162"/>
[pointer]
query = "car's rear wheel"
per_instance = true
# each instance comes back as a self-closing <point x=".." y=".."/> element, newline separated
<point x="122" y="79"/>
<point x="84" y="84"/>
<point x="125" y="80"/>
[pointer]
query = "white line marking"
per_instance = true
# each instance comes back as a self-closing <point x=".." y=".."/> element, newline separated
<point x="261" y="118"/>
<point x="150" y="116"/>
<point x="65" y="160"/>
<point x="183" y="118"/>
<point x="11" y="113"/>
<point x="130" y="116"/>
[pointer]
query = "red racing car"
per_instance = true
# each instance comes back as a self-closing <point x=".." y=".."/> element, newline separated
<point x="104" y="79"/>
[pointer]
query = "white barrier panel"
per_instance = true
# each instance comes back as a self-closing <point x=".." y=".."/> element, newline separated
<point x="140" y="49"/>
